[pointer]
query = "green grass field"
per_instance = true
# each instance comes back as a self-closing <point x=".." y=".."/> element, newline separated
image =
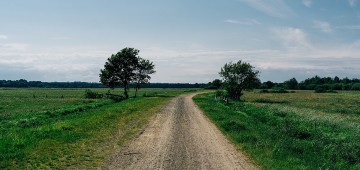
<point x="301" y="130"/>
<point x="59" y="128"/>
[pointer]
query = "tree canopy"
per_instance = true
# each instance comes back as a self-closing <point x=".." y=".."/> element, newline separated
<point x="237" y="77"/>
<point x="126" y="67"/>
<point x="142" y="73"/>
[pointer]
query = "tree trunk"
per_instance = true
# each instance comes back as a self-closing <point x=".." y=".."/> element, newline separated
<point x="136" y="89"/>
<point x="125" y="91"/>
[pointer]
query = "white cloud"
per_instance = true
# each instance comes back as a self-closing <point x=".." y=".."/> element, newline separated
<point x="3" y="37"/>
<point x="352" y="3"/>
<point x="243" y="22"/>
<point x="231" y="21"/>
<point x="274" y="8"/>
<point x="293" y="38"/>
<point x="13" y="47"/>
<point x="188" y="65"/>
<point x="185" y="65"/>
<point x="323" y="26"/>
<point x="307" y="2"/>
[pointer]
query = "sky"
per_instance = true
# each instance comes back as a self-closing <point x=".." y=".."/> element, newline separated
<point x="188" y="40"/>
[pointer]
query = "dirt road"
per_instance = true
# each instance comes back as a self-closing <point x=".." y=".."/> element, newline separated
<point x="179" y="137"/>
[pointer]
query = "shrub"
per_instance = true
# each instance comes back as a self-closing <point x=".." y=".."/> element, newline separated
<point x="264" y="91"/>
<point x="347" y="87"/>
<point x="115" y="97"/>
<point x="280" y="91"/>
<point x="319" y="89"/>
<point x="92" y="95"/>
<point x="355" y="86"/>
<point x="336" y="86"/>
<point x="222" y="95"/>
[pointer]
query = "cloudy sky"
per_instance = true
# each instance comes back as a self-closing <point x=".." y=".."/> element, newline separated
<point x="188" y="40"/>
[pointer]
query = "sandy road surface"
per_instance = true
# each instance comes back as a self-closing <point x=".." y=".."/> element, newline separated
<point x="179" y="137"/>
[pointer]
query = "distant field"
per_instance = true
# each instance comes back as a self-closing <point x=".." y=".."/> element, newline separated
<point x="301" y="130"/>
<point x="59" y="128"/>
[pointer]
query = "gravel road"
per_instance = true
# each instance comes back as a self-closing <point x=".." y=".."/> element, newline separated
<point x="179" y="137"/>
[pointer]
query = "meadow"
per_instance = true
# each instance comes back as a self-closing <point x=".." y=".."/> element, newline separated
<point x="299" y="130"/>
<point x="60" y="128"/>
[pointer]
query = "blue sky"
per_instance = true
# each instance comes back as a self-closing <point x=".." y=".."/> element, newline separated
<point x="189" y="41"/>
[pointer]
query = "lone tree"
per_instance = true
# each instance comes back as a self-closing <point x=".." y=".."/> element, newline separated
<point x="237" y="77"/>
<point x="123" y="68"/>
<point x="142" y="73"/>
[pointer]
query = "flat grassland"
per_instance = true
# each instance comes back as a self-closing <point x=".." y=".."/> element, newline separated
<point x="301" y="130"/>
<point x="59" y="128"/>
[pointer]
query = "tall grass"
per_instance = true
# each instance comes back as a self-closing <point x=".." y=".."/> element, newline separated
<point x="50" y="132"/>
<point x="282" y="136"/>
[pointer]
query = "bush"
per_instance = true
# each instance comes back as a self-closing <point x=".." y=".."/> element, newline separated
<point x="319" y="89"/>
<point x="115" y="97"/>
<point x="336" y="86"/>
<point x="92" y="95"/>
<point x="222" y="95"/>
<point x="264" y="91"/>
<point x="355" y="86"/>
<point x="347" y="87"/>
<point x="280" y="91"/>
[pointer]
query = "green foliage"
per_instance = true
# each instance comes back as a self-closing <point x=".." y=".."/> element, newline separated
<point x="281" y="136"/>
<point x="216" y="84"/>
<point x="292" y="84"/>
<point x="328" y="83"/>
<point x="126" y="67"/>
<point x="92" y="95"/>
<point x="281" y="90"/>
<point x="237" y="77"/>
<point x="269" y="84"/>
<point x="264" y="91"/>
<point x="115" y="97"/>
<point x="142" y="73"/>
<point x="355" y="86"/>
<point x="120" y="69"/>
<point x="323" y="89"/>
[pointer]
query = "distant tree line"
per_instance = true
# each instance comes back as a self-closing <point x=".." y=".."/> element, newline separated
<point x="314" y="83"/>
<point x="22" y="83"/>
